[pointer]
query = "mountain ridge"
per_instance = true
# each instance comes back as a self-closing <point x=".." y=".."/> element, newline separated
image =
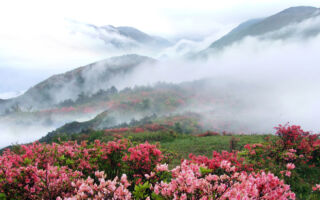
<point x="77" y="81"/>
<point x="134" y="37"/>
<point x="262" y="26"/>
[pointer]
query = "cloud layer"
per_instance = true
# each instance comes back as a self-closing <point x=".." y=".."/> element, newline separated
<point x="275" y="81"/>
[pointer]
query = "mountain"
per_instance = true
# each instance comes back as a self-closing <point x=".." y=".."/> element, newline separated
<point x="122" y="38"/>
<point x="87" y="79"/>
<point x="260" y="27"/>
<point x="172" y="103"/>
<point x="99" y="122"/>
<point x="142" y="37"/>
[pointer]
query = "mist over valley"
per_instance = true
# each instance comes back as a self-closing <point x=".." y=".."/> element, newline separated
<point x="261" y="73"/>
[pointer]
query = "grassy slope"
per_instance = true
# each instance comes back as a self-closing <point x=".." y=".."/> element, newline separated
<point x="206" y="145"/>
<point x="181" y="144"/>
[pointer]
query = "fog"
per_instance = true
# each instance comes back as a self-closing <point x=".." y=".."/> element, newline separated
<point x="276" y="81"/>
<point x="267" y="80"/>
<point x="15" y="134"/>
<point x="38" y="35"/>
<point x="27" y="128"/>
<point x="66" y="44"/>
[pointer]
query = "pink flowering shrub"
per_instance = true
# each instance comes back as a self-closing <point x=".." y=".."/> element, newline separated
<point x="31" y="183"/>
<point x="191" y="181"/>
<point x="293" y="146"/>
<point x="46" y="171"/>
<point x="91" y="171"/>
<point x="102" y="189"/>
<point x="294" y="156"/>
<point x="214" y="163"/>
<point x="258" y="186"/>
<point x="316" y="188"/>
<point x="142" y="159"/>
<point x="110" y="157"/>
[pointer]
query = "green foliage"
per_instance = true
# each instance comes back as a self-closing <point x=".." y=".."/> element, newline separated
<point x="142" y="191"/>
<point x="27" y="161"/>
<point x="157" y="197"/>
<point x="62" y="158"/>
<point x="183" y="145"/>
<point x="2" y="196"/>
<point x="159" y="136"/>
<point x="205" y="171"/>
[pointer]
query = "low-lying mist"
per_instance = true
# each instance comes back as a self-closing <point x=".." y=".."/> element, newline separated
<point x="20" y="128"/>
<point x="265" y="81"/>
<point x="19" y="134"/>
<point x="276" y="81"/>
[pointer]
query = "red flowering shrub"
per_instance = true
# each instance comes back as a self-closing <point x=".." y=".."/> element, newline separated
<point x="214" y="163"/>
<point x="294" y="156"/>
<point x="154" y="127"/>
<point x="46" y="171"/>
<point x="293" y="137"/>
<point x="110" y="156"/>
<point x="64" y="171"/>
<point x="316" y="188"/>
<point x="142" y="159"/>
<point x="138" y="130"/>
<point x="31" y="183"/>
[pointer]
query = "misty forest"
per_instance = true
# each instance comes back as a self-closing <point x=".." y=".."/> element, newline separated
<point x="194" y="102"/>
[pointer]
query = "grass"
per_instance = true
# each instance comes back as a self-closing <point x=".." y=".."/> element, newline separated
<point x="180" y="144"/>
<point x="183" y="146"/>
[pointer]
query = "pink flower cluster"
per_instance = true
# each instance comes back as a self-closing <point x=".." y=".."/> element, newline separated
<point x="316" y="188"/>
<point x="217" y="158"/>
<point x="45" y="171"/>
<point x="259" y="186"/>
<point x="293" y="146"/>
<point x="298" y="140"/>
<point x="64" y="171"/>
<point x="31" y="182"/>
<point x="104" y="189"/>
<point x="143" y="158"/>
<point x="189" y="183"/>
<point x="289" y="166"/>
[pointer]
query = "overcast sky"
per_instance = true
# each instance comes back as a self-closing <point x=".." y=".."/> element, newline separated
<point x="34" y="39"/>
<point x="168" y="17"/>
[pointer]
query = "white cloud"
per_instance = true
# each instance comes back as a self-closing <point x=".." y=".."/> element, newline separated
<point x="34" y="34"/>
<point x="273" y="81"/>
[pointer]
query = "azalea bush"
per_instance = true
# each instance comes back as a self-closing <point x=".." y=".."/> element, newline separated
<point x="283" y="168"/>
<point x="294" y="156"/>
<point x="101" y="189"/>
<point x="191" y="181"/>
<point x="47" y="171"/>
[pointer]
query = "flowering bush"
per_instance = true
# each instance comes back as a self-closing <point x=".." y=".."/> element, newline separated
<point x="142" y="159"/>
<point x="214" y="163"/>
<point x="91" y="171"/>
<point x="31" y="183"/>
<point x="191" y="181"/>
<point x="294" y="157"/>
<point x="46" y="171"/>
<point x="316" y="188"/>
<point x="103" y="189"/>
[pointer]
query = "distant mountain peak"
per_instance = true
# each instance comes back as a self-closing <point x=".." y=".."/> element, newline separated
<point x="259" y="27"/>
<point x="121" y="39"/>
<point x="299" y="9"/>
